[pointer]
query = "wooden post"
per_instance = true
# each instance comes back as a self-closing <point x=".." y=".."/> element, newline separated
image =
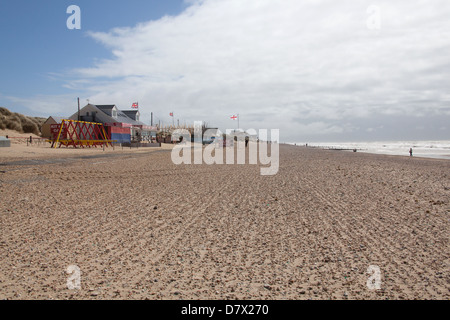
<point x="78" y="109"/>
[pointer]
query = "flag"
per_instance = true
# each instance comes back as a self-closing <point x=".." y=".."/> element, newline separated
<point x="234" y="117"/>
<point x="171" y="114"/>
<point x="135" y="105"/>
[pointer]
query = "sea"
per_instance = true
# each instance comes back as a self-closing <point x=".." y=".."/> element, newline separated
<point x="427" y="149"/>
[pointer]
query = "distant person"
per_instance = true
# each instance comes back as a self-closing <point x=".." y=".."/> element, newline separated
<point x="410" y="152"/>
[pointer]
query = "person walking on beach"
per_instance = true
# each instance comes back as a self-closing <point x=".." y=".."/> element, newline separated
<point x="410" y="152"/>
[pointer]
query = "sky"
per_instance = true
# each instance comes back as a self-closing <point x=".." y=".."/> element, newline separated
<point x="317" y="70"/>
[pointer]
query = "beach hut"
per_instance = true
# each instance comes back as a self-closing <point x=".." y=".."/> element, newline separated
<point x="122" y="126"/>
<point x="46" y="131"/>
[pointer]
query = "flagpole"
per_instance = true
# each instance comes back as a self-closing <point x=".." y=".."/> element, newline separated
<point x="238" y="122"/>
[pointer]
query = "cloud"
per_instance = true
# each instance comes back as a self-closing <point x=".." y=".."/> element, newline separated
<point x="303" y="66"/>
<point x="44" y="105"/>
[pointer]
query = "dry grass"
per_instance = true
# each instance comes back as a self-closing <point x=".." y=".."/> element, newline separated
<point x="19" y="122"/>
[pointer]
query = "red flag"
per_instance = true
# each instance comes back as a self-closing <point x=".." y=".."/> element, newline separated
<point x="234" y="117"/>
<point x="135" y="105"/>
<point x="171" y="114"/>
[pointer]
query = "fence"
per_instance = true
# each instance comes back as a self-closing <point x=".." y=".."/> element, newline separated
<point x="80" y="134"/>
<point x="28" y="140"/>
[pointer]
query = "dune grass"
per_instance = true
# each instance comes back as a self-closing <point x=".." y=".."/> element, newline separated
<point x="19" y="122"/>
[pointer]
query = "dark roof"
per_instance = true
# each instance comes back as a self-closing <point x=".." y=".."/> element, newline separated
<point x="131" y="113"/>
<point x="121" y="115"/>
<point x="105" y="107"/>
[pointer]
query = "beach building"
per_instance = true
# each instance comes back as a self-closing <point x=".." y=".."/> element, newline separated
<point x="213" y="135"/>
<point x="46" y="129"/>
<point x="133" y="114"/>
<point x="242" y="135"/>
<point x="146" y="133"/>
<point x="123" y="126"/>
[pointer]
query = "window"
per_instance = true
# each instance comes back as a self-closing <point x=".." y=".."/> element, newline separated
<point x="137" y="116"/>
<point x="114" y="113"/>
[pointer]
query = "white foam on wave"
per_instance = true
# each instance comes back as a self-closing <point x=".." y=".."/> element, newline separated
<point x="429" y="149"/>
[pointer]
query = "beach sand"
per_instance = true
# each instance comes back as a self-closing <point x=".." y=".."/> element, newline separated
<point x="140" y="227"/>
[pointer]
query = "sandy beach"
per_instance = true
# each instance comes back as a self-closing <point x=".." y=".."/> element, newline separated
<point x="140" y="227"/>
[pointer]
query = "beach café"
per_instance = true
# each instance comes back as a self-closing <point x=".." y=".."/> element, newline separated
<point x="122" y="126"/>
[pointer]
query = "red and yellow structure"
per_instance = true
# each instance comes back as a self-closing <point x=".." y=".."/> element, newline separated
<point x="79" y="134"/>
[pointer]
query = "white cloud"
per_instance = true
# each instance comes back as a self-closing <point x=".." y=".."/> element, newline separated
<point x="309" y="63"/>
<point x="320" y="128"/>
<point x="45" y="105"/>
